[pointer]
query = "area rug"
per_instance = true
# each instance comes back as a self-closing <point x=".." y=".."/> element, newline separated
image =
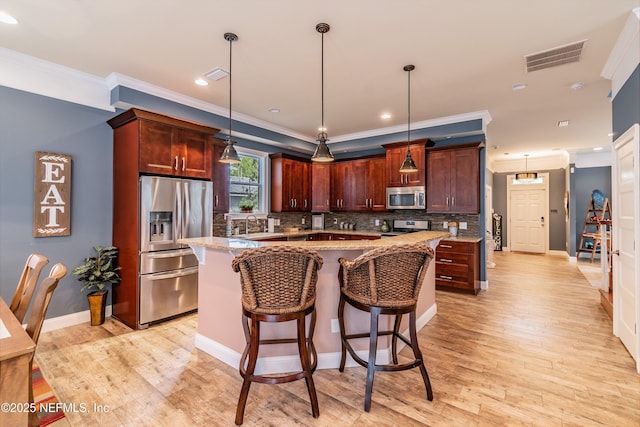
<point x="49" y="411"/>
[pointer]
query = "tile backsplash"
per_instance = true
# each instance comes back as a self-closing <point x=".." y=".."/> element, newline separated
<point x="361" y="221"/>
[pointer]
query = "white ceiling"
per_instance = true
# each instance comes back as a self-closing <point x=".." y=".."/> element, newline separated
<point x="468" y="54"/>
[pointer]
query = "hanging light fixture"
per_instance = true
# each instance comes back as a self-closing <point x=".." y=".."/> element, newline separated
<point x="526" y="176"/>
<point x="230" y="155"/>
<point x="408" y="165"/>
<point x="322" y="153"/>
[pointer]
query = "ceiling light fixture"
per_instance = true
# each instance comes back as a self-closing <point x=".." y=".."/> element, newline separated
<point x="322" y="153"/>
<point x="201" y="82"/>
<point x="230" y="155"/>
<point x="408" y="165"/>
<point x="563" y="123"/>
<point x="7" y="19"/>
<point x="526" y="176"/>
<point x="518" y="86"/>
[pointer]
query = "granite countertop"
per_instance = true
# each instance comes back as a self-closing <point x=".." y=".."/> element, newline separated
<point x="464" y="239"/>
<point x="239" y="242"/>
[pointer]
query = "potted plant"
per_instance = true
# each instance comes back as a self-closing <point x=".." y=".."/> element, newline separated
<point x="246" y="205"/>
<point x="94" y="274"/>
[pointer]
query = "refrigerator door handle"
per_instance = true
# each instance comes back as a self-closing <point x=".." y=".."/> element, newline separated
<point x="172" y="274"/>
<point x="186" y="200"/>
<point x="178" y="227"/>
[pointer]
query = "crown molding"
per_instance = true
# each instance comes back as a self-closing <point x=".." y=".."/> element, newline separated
<point x="24" y="72"/>
<point x="625" y="55"/>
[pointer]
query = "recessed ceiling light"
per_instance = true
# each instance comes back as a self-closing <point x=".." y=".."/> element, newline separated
<point x="322" y="129"/>
<point x="273" y="110"/>
<point x="385" y="116"/>
<point x="610" y="134"/>
<point x="518" y="86"/>
<point x="563" y="123"/>
<point x="7" y="19"/>
<point x="597" y="148"/>
<point x="577" y="86"/>
<point x="201" y="82"/>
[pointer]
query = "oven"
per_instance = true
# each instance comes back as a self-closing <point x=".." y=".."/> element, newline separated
<point x="402" y="226"/>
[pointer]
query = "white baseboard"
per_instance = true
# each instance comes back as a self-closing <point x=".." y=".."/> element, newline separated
<point x="275" y="364"/>
<point x="70" y="320"/>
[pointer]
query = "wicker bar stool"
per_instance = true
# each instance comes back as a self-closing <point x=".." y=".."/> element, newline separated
<point x="384" y="281"/>
<point x="278" y="285"/>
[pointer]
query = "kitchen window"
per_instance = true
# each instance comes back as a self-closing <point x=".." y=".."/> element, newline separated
<point x="247" y="182"/>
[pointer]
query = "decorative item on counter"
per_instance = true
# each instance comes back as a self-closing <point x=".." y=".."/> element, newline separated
<point x="94" y="274"/>
<point x="453" y="228"/>
<point x="246" y="205"/>
<point x="385" y="226"/>
<point x="229" y="227"/>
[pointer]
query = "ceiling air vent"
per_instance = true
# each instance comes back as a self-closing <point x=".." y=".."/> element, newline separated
<point x="554" y="57"/>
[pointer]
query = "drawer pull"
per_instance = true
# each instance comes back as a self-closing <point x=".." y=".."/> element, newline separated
<point x="446" y="246"/>
<point x="446" y="277"/>
<point x="446" y="260"/>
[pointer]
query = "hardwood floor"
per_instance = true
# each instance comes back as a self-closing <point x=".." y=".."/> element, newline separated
<point x="536" y="349"/>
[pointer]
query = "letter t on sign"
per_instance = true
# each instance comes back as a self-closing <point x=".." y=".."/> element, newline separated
<point x="52" y="195"/>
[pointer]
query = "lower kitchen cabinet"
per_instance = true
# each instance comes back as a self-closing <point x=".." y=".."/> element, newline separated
<point x="458" y="266"/>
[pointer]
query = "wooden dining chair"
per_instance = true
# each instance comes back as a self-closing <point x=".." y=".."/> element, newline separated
<point x="27" y="284"/>
<point x="36" y="319"/>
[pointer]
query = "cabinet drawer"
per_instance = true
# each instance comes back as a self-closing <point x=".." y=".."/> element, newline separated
<point x="455" y="246"/>
<point x="453" y="272"/>
<point x="445" y="284"/>
<point x="453" y="258"/>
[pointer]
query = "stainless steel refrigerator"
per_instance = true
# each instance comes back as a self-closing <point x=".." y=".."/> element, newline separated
<point x="170" y="209"/>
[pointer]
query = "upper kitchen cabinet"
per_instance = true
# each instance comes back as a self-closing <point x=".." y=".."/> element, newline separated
<point x="453" y="179"/>
<point x="166" y="145"/>
<point x="369" y="184"/>
<point x="290" y="183"/>
<point x="340" y="186"/>
<point x="320" y="187"/>
<point x="396" y="154"/>
<point x="220" y="179"/>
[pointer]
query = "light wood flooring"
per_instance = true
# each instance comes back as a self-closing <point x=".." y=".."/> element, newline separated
<point x="536" y="349"/>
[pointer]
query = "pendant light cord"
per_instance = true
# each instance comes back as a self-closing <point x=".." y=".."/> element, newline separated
<point x="230" y="80"/>
<point x="409" y="110"/>
<point x="323" y="131"/>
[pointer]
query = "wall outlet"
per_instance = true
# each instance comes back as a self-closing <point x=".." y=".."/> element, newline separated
<point x="377" y="222"/>
<point x="302" y="220"/>
<point x="445" y="224"/>
<point x="335" y="220"/>
<point x="335" y="326"/>
<point x="277" y="221"/>
<point x="463" y="226"/>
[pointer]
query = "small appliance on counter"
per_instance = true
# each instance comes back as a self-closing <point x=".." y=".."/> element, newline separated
<point x="317" y="221"/>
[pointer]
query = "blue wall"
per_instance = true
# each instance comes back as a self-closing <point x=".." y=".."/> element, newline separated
<point x="30" y="123"/>
<point x="626" y="104"/>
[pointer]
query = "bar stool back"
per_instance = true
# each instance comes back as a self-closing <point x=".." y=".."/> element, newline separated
<point x="384" y="281"/>
<point x="278" y="285"/>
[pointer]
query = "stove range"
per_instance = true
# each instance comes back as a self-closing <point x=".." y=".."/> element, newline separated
<point x="402" y="226"/>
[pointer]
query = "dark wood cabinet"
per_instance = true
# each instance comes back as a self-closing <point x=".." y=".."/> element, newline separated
<point x="453" y="180"/>
<point x="147" y="143"/>
<point x="395" y="155"/>
<point x="458" y="266"/>
<point x="340" y="186"/>
<point x="220" y="179"/>
<point x="169" y="150"/>
<point x="290" y="184"/>
<point x="320" y="187"/>
<point x="368" y="192"/>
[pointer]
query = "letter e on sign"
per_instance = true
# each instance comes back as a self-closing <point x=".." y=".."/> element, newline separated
<point x="52" y="195"/>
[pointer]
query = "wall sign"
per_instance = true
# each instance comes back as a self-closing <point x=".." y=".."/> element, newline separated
<point x="52" y="195"/>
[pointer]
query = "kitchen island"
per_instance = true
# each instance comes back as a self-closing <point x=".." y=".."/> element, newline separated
<point x="220" y="333"/>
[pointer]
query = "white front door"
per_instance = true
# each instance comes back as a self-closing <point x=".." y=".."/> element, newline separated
<point x="626" y="242"/>
<point x="528" y="220"/>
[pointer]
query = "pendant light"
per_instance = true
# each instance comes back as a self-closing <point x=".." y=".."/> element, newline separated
<point x="526" y="176"/>
<point x="322" y="153"/>
<point x="408" y="165"/>
<point x="230" y="155"/>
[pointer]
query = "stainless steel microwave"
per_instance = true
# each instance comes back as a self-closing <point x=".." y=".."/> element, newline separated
<point x="406" y="197"/>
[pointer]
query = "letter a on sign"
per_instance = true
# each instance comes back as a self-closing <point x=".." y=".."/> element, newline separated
<point x="52" y="195"/>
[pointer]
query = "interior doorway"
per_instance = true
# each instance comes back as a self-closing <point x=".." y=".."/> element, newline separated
<point x="527" y="212"/>
<point x="626" y="240"/>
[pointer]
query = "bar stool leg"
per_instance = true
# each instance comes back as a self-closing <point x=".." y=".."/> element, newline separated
<point x="253" y="358"/>
<point x="394" y="338"/>
<point x="371" y="364"/>
<point x="306" y="366"/>
<point x="418" y="354"/>
<point x="343" y="333"/>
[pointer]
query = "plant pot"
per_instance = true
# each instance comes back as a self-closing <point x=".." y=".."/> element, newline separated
<point x="97" y="306"/>
<point x="246" y="210"/>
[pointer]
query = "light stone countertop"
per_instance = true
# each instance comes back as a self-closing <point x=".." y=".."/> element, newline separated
<point x="239" y="242"/>
<point x="464" y="239"/>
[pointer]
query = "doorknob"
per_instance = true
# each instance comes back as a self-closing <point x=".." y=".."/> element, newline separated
<point x="616" y="252"/>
